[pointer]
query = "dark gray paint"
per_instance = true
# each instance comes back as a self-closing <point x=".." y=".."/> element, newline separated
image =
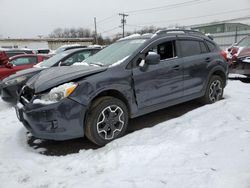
<point x="59" y="75"/>
<point x="143" y="90"/>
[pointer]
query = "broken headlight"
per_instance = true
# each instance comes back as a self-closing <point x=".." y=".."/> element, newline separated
<point x="16" y="80"/>
<point x="58" y="93"/>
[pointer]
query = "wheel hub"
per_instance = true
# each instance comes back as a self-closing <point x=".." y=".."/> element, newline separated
<point x="110" y="122"/>
<point x="215" y="91"/>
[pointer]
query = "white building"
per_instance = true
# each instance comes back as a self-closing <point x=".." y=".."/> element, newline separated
<point x="46" y="43"/>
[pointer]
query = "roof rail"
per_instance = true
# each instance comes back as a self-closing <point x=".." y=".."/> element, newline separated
<point x="178" y="31"/>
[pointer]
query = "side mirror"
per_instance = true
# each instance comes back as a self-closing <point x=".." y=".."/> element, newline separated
<point x="9" y="65"/>
<point x="152" y="58"/>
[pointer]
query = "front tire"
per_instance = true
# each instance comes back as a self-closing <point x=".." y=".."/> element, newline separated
<point x="214" y="90"/>
<point x="106" y="120"/>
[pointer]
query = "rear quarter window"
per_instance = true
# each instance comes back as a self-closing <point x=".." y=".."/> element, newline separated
<point x="212" y="47"/>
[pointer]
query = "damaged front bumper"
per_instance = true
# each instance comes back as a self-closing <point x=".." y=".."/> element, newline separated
<point x="9" y="93"/>
<point x="58" y="121"/>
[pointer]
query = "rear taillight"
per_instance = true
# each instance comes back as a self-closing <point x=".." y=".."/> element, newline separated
<point x="234" y="51"/>
<point x="223" y="54"/>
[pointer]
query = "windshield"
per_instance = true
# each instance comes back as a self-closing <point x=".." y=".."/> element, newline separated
<point x="245" y="42"/>
<point x="115" y="52"/>
<point x="53" y="60"/>
<point x="59" y="50"/>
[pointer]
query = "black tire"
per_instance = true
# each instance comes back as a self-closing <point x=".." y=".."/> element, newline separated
<point x="107" y="119"/>
<point x="214" y="90"/>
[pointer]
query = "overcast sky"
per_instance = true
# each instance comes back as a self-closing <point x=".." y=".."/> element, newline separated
<point x="30" y="18"/>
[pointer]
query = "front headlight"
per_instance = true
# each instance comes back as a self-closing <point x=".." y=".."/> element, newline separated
<point x="16" y="80"/>
<point x="58" y="93"/>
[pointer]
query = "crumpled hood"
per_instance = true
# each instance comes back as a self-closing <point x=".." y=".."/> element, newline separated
<point x="27" y="72"/>
<point x="55" y="76"/>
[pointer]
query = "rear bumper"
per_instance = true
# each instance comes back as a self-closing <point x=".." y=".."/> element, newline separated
<point x="59" y="121"/>
<point x="240" y="67"/>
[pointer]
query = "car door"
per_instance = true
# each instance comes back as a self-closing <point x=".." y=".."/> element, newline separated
<point x="160" y="83"/>
<point x="19" y="63"/>
<point x="196" y="57"/>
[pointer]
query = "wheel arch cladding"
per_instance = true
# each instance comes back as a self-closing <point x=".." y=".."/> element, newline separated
<point x="219" y="71"/>
<point x="222" y="75"/>
<point x="112" y="93"/>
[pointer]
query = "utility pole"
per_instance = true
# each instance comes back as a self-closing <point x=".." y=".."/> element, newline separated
<point x="96" y="40"/>
<point x="236" y="34"/>
<point x="123" y="21"/>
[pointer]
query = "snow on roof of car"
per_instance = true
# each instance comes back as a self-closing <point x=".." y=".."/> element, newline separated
<point x="133" y="36"/>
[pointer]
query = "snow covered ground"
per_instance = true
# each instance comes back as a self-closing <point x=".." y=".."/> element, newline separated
<point x="206" y="147"/>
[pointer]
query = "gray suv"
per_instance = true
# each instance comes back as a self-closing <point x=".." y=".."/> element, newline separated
<point x="130" y="78"/>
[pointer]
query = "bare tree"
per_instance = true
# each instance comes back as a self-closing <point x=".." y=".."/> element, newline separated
<point x="71" y="33"/>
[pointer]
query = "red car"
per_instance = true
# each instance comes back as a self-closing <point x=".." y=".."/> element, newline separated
<point x="20" y="62"/>
<point x="239" y="57"/>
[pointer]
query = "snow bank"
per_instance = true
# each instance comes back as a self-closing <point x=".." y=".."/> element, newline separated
<point x="205" y="148"/>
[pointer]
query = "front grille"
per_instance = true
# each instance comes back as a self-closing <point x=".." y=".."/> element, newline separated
<point x="27" y="94"/>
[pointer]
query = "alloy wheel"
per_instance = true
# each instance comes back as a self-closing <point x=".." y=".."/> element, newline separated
<point x="110" y="122"/>
<point x="215" y="91"/>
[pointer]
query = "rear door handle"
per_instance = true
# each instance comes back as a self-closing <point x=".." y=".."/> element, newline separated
<point x="176" y="67"/>
<point x="208" y="59"/>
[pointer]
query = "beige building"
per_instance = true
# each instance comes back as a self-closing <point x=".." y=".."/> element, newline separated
<point x="44" y="43"/>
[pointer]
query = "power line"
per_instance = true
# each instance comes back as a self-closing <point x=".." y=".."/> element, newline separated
<point x="198" y="25"/>
<point x="107" y="31"/>
<point x="193" y="17"/>
<point x="176" y="5"/>
<point x="107" y="18"/>
<point x="224" y="21"/>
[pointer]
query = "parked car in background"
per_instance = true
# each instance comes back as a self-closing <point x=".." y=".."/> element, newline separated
<point x="14" y="52"/>
<point x="4" y="59"/>
<point x="130" y="78"/>
<point x="239" y="57"/>
<point x="67" y="47"/>
<point x="11" y="85"/>
<point x="20" y="62"/>
<point x="42" y="51"/>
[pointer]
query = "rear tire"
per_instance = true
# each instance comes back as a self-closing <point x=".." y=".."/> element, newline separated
<point x="214" y="90"/>
<point x="107" y="119"/>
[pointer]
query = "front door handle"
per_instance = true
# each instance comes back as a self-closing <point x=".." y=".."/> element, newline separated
<point x="176" y="67"/>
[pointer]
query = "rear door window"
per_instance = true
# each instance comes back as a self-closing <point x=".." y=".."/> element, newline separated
<point x="190" y="47"/>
